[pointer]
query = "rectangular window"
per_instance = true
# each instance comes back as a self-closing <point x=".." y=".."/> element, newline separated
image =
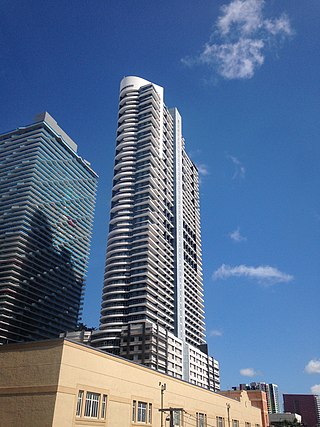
<point x="176" y="418"/>
<point x="134" y="405"/>
<point x="220" y="422"/>
<point x="246" y="424"/>
<point x="142" y="412"/>
<point x="92" y="405"/>
<point x="201" y="419"/>
<point x="104" y="406"/>
<point x="150" y="413"/>
<point x="235" y="423"/>
<point x="79" y="403"/>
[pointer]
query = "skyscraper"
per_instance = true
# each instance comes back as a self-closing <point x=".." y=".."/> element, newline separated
<point x="47" y="197"/>
<point x="152" y="303"/>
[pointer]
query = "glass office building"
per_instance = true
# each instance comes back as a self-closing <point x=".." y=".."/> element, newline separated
<point x="47" y="198"/>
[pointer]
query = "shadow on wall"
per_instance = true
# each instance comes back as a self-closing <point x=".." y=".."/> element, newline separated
<point x="48" y="296"/>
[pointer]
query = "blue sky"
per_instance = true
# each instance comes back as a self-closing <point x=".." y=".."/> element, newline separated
<point x="244" y="75"/>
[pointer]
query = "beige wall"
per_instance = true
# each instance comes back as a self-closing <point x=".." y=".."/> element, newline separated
<point x="28" y="383"/>
<point x="83" y="368"/>
<point x="257" y="398"/>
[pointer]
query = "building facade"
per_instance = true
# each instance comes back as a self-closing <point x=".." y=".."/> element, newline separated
<point x="258" y="398"/>
<point x="47" y="197"/>
<point x="59" y="383"/>
<point x="152" y="303"/>
<point x="306" y="405"/>
<point x="271" y="391"/>
<point x="284" y="419"/>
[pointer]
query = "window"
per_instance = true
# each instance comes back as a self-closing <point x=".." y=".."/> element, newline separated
<point x="92" y="405"/>
<point x="150" y="413"/>
<point x="142" y="412"/>
<point x="104" y="406"/>
<point x="246" y="424"/>
<point x="220" y="422"/>
<point x="235" y="423"/>
<point x="201" y="419"/>
<point x="79" y="403"/>
<point x="176" y="418"/>
<point x="134" y="405"/>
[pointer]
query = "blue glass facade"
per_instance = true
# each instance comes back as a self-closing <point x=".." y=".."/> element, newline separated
<point x="47" y="197"/>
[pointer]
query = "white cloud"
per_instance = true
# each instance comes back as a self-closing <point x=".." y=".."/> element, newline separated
<point x="315" y="389"/>
<point x="279" y="26"/>
<point x="313" y="367"/>
<point x="236" y="236"/>
<point x="244" y="14"/>
<point x="215" y="333"/>
<point x="248" y="372"/>
<point x="234" y="60"/>
<point x="264" y="274"/>
<point x="240" y="170"/>
<point x="238" y="45"/>
<point x="203" y="169"/>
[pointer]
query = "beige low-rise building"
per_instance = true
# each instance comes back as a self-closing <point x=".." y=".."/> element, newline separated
<point x="60" y="383"/>
<point x="258" y="398"/>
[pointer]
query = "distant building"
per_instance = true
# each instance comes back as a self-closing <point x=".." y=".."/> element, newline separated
<point x="82" y="336"/>
<point x="307" y="405"/>
<point x="47" y="198"/>
<point x="271" y="391"/>
<point x="152" y="304"/>
<point x="282" y="419"/>
<point x="59" y="383"/>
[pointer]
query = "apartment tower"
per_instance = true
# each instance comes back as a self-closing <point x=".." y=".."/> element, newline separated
<point x="152" y="303"/>
<point x="47" y="197"/>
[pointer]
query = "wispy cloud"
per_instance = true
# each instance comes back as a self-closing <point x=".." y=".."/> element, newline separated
<point x="248" y="372"/>
<point x="215" y="333"/>
<point x="264" y="274"/>
<point x="239" y="170"/>
<point x="315" y="389"/>
<point x="313" y="367"/>
<point x="241" y="38"/>
<point x="236" y="236"/>
<point x="203" y="169"/>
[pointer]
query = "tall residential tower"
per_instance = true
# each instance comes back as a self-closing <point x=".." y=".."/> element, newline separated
<point x="47" y="197"/>
<point x="152" y="304"/>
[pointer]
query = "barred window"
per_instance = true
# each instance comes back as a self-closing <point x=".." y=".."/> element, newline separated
<point x="150" y="413"/>
<point x="104" y="406"/>
<point x="79" y="403"/>
<point x="176" y="418"/>
<point x="142" y="412"/>
<point x="201" y="419"/>
<point x="91" y="408"/>
<point x="134" y="405"/>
